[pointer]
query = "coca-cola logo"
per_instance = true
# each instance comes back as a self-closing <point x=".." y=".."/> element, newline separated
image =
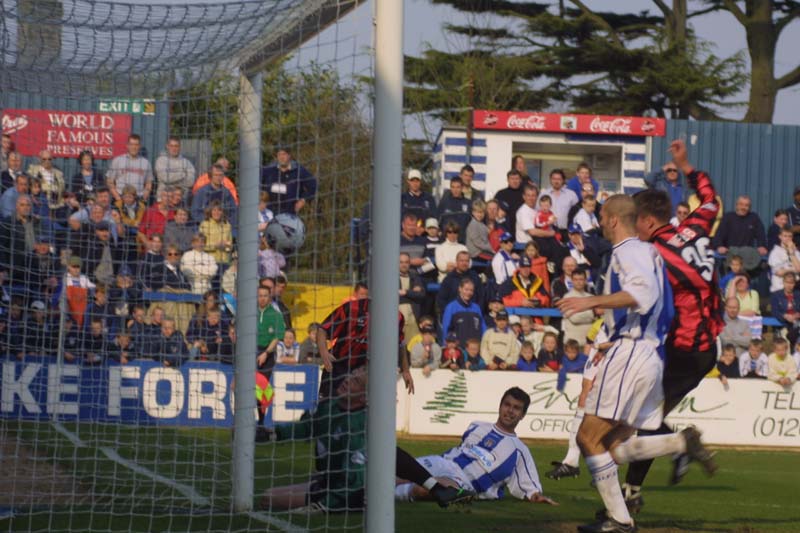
<point x="615" y="125"/>
<point x="526" y="122"/>
<point x="648" y="126"/>
<point x="14" y="124"/>
<point x="490" y="119"/>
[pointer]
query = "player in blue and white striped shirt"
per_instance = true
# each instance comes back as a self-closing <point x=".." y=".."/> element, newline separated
<point x="489" y="460"/>
<point x="627" y="393"/>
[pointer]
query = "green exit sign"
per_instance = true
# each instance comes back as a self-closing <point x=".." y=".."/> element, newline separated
<point x="128" y="105"/>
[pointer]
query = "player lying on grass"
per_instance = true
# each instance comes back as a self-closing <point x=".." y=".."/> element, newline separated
<point x="489" y="459"/>
<point x="338" y="425"/>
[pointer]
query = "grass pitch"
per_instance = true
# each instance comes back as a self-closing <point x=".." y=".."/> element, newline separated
<point x="753" y="490"/>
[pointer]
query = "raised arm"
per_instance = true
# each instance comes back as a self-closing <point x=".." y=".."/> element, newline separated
<point x="705" y="215"/>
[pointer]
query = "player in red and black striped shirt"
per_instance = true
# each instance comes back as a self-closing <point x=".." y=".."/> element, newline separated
<point x="691" y="350"/>
<point x="347" y="327"/>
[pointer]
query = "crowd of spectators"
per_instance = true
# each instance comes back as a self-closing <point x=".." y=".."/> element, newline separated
<point x="141" y="255"/>
<point x="479" y="277"/>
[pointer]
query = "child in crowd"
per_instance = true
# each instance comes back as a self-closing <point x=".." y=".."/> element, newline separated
<point x="287" y="351"/>
<point x="495" y="306"/>
<point x="472" y="355"/>
<point x="527" y="358"/>
<point x="94" y="344"/>
<point x="728" y="365"/>
<point x="753" y="362"/>
<point x="309" y="351"/>
<point x="781" y="367"/>
<point x="121" y="349"/>
<point x="424" y="321"/>
<point x="265" y="215"/>
<point x="586" y="219"/>
<point x="549" y="356"/>
<point x="426" y="354"/>
<point x="452" y="357"/>
<point x="572" y="362"/>
<point x="270" y="262"/>
<point x="533" y="332"/>
<point x="499" y="345"/>
<point x="544" y="216"/>
<point x="737" y="268"/>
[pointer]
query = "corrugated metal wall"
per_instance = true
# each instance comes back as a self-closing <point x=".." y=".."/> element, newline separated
<point x="760" y="160"/>
<point x="154" y="130"/>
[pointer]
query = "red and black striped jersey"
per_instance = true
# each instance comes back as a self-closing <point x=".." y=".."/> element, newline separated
<point x="347" y="328"/>
<point x="689" y="258"/>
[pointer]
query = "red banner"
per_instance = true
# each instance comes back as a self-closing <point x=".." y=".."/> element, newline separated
<point x="552" y="122"/>
<point x="67" y="133"/>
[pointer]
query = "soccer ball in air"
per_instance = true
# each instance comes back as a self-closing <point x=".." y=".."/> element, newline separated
<point x="286" y="233"/>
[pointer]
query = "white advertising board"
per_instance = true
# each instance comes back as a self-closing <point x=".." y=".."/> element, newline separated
<point x="750" y="412"/>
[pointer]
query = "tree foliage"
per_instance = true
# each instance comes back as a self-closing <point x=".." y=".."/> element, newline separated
<point x="319" y="116"/>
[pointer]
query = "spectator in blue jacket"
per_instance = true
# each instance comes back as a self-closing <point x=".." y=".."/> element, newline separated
<point x="289" y="184"/>
<point x="463" y="316"/>
<point x="215" y="190"/>
<point x="572" y="362"/>
<point x="415" y="200"/>
<point x="450" y="286"/>
<point x="785" y="305"/>
<point x="583" y="174"/>
<point x="170" y="347"/>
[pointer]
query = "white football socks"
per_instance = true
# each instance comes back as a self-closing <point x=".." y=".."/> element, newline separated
<point x="648" y="447"/>
<point x="573" y="456"/>
<point x="402" y="493"/>
<point x="604" y="473"/>
<point x="430" y="483"/>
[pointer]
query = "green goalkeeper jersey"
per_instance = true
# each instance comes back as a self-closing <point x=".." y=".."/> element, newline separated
<point x="341" y="449"/>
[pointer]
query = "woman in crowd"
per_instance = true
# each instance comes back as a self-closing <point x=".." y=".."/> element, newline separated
<point x="218" y="232"/>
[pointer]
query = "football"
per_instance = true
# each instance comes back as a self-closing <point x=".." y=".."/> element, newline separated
<point x="286" y="233"/>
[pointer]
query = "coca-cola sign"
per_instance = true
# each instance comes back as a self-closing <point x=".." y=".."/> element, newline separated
<point x="67" y="133"/>
<point x="526" y="122"/>
<point x="568" y="123"/>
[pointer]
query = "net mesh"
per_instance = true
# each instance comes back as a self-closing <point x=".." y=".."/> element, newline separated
<point x="117" y="322"/>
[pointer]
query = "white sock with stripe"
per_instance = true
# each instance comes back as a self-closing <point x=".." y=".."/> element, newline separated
<point x="648" y="447"/>
<point x="402" y="493"/>
<point x="573" y="456"/>
<point x="604" y="472"/>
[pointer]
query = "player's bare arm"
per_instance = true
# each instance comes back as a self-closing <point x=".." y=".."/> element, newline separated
<point x="570" y="306"/>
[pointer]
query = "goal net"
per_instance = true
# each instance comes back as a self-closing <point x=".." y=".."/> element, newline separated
<point x="120" y="237"/>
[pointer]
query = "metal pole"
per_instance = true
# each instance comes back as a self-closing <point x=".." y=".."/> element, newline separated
<point x="384" y="273"/>
<point x="246" y="281"/>
<point x="62" y="319"/>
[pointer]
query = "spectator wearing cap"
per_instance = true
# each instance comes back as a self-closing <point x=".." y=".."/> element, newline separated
<point x="204" y="179"/>
<point x="42" y="269"/>
<point x="125" y="293"/>
<point x="449" y="288"/>
<point x="77" y="286"/>
<point x="415" y="200"/>
<point x="39" y="331"/>
<point x="462" y="315"/>
<point x="503" y="263"/>
<point x="524" y="288"/>
<point x="289" y="184"/>
<point x="447" y="251"/>
<point x="561" y="197"/>
<point x="494" y="305"/>
<point x="455" y="208"/>
<point x="669" y="180"/>
<point x="432" y="240"/>
<point x="499" y="345"/>
<point x="412" y="296"/>
<point x="426" y="354"/>
<point x="779" y="221"/>
<point x="199" y="266"/>
<point x="102" y="255"/>
<point x="510" y="198"/>
<point x="478" y="244"/>
<point x="578" y="324"/>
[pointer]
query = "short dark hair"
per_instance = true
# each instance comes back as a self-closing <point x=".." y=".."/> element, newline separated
<point x="584" y="164"/>
<point x="729" y="348"/>
<point x="456" y="179"/>
<point x="134" y="137"/>
<point x="779" y="340"/>
<point x="545" y="198"/>
<point x="572" y="344"/>
<point x="519" y="395"/>
<point x="654" y="203"/>
<point x="559" y="172"/>
<point x="360" y="285"/>
<point x="780" y="212"/>
<point x="513" y="172"/>
<point x="684" y="204"/>
<point x="467" y="168"/>
<point x="579" y="272"/>
<point x="532" y="187"/>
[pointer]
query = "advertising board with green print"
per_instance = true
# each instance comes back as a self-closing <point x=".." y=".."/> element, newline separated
<point x="748" y="413"/>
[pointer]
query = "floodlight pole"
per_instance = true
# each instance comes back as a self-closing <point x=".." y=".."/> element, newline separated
<point x="384" y="271"/>
<point x="246" y="281"/>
